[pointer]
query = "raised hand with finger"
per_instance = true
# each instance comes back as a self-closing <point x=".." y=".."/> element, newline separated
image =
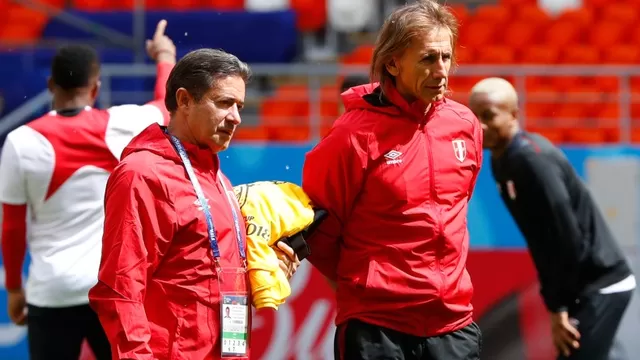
<point x="161" y="48"/>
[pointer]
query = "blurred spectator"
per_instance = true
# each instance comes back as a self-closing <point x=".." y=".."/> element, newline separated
<point x="396" y="174"/>
<point x="55" y="169"/>
<point x="586" y="283"/>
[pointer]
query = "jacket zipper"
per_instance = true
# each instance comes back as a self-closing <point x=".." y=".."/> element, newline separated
<point x="440" y="236"/>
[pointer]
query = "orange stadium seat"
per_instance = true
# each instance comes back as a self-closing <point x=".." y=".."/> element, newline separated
<point x="285" y="115"/>
<point x="492" y="14"/>
<point x="634" y="34"/>
<point x="620" y="13"/>
<point x="564" y="33"/>
<point x="519" y="35"/>
<point x="622" y="54"/>
<point x="361" y="55"/>
<point x="595" y="4"/>
<point x="496" y="54"/>
<point x="580" y="54"/>
<point x="530" y="12"/>
<point x="581" y="17"/>
<point x="477" y="34"/>
<point x="607" y="33"/>
<point x="539" y="54"/>
<point x="554" y="135"/>
<point x="22" y="24"/>
<point x="251" y="133"/>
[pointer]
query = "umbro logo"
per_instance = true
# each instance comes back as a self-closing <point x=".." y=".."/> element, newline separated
<point x="393" y="157"/>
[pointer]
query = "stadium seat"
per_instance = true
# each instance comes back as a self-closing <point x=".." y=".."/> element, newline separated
<point x="22" y="24"/>
<point x="564" y="33"/>
<point x="622" y="13"/>
<point x="622" y="54"/>
<point x="251" y="133"/>
<point x="606" y="34"/>
<point x="311" y="14"/>
<point x="580" y="54"/>
<point x="492" y="14"/>
<point x="225" y="4"/>
<point x="530" y="12"/>
<point x="539" y="54"/>
<point x="581" y="17"/>
<point x="477" y="34"/>
<point x="556" y="136"/>
<point x="285" y="114"/>
<point x="496" y="54"/>
<point x="350" y="15"/>
<point x="362" y="55"/>
<point x="520" y="34"/>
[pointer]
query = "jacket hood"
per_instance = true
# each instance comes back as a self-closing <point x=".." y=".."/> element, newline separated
<point x="371" y="97"/>
<point x="154" y="140"/>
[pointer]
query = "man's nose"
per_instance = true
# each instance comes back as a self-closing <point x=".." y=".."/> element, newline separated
<point x="234" y="115"/>
<point x="439" y="69"/>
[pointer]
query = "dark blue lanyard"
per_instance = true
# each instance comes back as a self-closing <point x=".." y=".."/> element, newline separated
<point x="211" y="230"/>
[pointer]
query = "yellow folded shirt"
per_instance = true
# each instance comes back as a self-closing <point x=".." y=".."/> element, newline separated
<point x="272" y="210"/>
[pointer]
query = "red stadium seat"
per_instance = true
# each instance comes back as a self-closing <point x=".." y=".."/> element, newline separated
<point x="539" y="54"/>
<point x="521" y="34"/>
<point x="477" y="34"/>
<point x="312" y="14"/>
<point x="622" y="13"/>
<point x="492" y="14"/>
<point x="606" y="34"/>
<point x="496" y="54"/>
<point x="580" y="54"/>
<point x="622" y="54"/>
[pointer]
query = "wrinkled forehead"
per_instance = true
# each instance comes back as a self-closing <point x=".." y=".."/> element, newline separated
<point x="438" y="40"/>
<point x="230" y="87"/>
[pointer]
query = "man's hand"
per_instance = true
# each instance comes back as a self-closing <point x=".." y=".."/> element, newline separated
<point x="565" y="336"/>
<point x="17" y="306"/>
<point x="161" y="48"/>
<point x="289" y="261"/>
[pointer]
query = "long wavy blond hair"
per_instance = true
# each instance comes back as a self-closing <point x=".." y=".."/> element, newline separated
<point x="402" y="26"/>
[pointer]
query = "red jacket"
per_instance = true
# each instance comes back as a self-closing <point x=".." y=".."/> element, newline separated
<point x="157" y="296"/>
<point x="396" y="181"/>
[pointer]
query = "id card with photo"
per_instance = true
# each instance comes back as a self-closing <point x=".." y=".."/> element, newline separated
<point x="235" y="325"/>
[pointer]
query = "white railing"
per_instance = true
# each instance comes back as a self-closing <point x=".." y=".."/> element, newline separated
<point x="623" y="97"/>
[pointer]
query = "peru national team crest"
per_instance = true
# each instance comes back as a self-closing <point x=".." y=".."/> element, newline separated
<point x="460" y="149"/>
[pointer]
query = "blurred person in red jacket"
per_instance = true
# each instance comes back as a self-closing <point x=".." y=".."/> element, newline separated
<point x="396" y="173"/>
<point x="174" y="249"/>
<point x="53" y="171"/>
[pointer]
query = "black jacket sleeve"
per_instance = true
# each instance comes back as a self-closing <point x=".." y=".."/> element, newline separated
<point x="546" y="203"/>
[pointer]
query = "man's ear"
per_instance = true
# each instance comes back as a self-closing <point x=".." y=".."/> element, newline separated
<point x="515" y="113"/>
<point x="183" y="99"/>
<point x="392" y="67"/>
